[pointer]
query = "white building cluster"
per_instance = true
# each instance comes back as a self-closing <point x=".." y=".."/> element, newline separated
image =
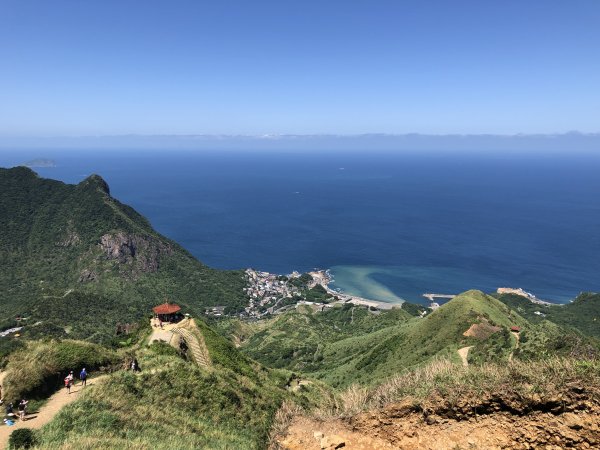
<point x="266" y="291"/>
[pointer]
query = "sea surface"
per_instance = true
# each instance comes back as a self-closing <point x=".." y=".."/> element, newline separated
<point x="390" y="226"/>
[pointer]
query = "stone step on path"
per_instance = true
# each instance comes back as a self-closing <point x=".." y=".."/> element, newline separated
<point x="196" y="346"/>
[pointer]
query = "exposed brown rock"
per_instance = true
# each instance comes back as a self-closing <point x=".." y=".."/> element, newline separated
<point x="332" y="442"/>
<point x="142" y="253"/>
<point x="482" y="330"/>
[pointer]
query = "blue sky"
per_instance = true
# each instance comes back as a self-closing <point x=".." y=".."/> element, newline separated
<point x="257" y="67"/>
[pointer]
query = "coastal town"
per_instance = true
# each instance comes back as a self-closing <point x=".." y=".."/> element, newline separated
<point x="270" y="293"/>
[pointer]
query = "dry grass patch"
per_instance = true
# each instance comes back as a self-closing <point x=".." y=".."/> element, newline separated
<point x="442" y="384"/>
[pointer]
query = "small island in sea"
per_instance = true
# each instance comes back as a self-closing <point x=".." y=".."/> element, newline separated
<point x="40" y="162"/>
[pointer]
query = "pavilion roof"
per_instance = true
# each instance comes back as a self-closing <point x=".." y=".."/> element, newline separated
<point x="166" y="308"/>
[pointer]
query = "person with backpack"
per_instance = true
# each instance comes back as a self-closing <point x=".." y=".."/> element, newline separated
<point x="69" y="382"/>
<point x="83" y="377"/>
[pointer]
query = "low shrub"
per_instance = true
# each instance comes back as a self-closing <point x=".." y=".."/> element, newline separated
<point x="22" y="438"/>
<point x="162" y="348"/>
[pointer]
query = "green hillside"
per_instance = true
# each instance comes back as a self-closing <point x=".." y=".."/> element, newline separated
<point x="394" y="341"/>
<point x="379" y="355"/>
<point x="75" y="259"/>
<point x="296" y="340"/>
<point x="171" y="403"/>
<point x="583" y="313"/>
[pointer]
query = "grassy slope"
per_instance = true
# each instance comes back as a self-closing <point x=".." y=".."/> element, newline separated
<point x="546" y="339"/>
<point x="379" y="355"/>
<point x="38" y="369"/>
<point x="296" y="340"/>
<point x="39" y="262"/>
<point x="173" y="403"/>
<point x="450" y="389"/>
<point x="373" y="347"/>
<point x="367" y="349"/>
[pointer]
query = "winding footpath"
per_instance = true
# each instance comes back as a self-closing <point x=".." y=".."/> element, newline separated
<point x="47" y="412"/>
<point x="464" y="355"/>
<point x="517" y="336"/>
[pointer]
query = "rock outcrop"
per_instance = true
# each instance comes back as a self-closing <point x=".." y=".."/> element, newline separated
<point x="87" y="276"/>
<point x="141" y="253"/>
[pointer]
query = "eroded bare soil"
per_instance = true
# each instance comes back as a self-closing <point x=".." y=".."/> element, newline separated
<point x="569" y="420"/>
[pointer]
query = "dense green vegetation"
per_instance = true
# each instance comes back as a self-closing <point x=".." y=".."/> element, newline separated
<point x="296" y="340"/>
<point x="77" y="261"/>
<point x="413" y="309"/>
<point x="22" y="438"/>
<point x="583" y="313"/>
<point x="495" y="348"/>
<point x="546" y="339"/>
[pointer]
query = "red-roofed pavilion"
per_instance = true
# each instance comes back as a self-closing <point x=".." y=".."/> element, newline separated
<point x="167" y="312"/>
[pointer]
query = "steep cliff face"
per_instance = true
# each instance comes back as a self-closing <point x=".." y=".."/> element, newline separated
<point x="142" y="253"/>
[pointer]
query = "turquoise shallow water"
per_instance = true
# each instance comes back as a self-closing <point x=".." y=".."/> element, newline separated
<point x="391" y="226"/>
<point x="396" y="284"/>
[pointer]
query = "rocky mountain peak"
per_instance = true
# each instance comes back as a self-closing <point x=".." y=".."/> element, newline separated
<point x="96" y="182"/>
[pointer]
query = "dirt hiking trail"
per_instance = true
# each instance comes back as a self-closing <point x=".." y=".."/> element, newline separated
<point x="517" y="336"/>
<point x="47" y="412"/>
<point x="464" y="354"/>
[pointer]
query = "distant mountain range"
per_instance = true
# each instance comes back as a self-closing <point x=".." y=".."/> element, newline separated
<point x="571" y="141"/>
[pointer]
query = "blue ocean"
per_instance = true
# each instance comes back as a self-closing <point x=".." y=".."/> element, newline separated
<point x="390" y="226"/>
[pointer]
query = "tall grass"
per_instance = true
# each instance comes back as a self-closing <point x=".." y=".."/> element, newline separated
<point x="39" y="368"/>
<point x="170" y="404"/>
<point x="529" y="381"/>
<point x="282" y="420"/>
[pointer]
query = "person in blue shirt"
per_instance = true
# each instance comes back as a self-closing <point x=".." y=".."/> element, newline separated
<point x="83" y="377"/>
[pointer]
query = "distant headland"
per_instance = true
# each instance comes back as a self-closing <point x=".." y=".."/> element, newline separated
<point x="40" y="162"/>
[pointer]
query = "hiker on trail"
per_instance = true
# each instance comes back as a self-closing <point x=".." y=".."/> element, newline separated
<point x="69" y="382"/>
<point x="134" y="365"/>
<point x="22" y="408"/>
<point x="9" y="410"/>
<point x="83" y="377"/>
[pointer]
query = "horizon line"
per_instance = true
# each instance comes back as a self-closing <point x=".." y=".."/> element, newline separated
<point x="298" y="135"/>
